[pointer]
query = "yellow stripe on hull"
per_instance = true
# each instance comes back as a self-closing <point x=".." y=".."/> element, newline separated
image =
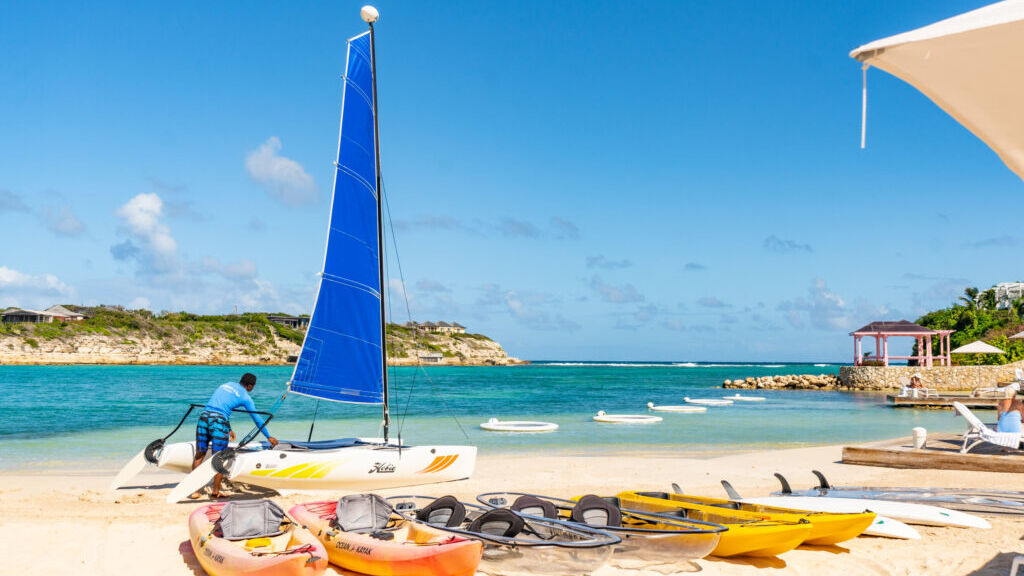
<point x="826" y="528"/>
<point x="748" y="534"/>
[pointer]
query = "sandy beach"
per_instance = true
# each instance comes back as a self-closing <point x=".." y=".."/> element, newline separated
<point x="134" y="531"/>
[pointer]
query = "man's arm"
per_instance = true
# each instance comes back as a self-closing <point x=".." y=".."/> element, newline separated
<point x="256" y="418"/>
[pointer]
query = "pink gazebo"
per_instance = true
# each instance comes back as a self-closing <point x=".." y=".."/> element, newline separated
<point x="882" y="331"/>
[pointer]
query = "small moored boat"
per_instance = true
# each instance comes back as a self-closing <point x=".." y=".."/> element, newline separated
<point x="495" y="425"/>
<point x="680" y="409"/>
<point x="707" y="401"/>
<point x="626" y="418"/>
<point x="253" y="537"/>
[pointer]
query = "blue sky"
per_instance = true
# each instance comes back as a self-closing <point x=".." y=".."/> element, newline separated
<point x="580" y="180"/>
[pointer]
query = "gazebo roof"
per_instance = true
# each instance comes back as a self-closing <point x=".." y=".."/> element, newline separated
<point x="894" y="327"/>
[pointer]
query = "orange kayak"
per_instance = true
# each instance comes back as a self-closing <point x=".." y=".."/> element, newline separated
<point x="402" y="548"/>
<point x="294" y="552"/>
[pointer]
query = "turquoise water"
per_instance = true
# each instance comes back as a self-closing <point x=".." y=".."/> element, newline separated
<point x="79" y="417"/>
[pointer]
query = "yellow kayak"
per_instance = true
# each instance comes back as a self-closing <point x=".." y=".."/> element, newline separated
<point x="826" y="528"/>
<point x="748" y="534"/>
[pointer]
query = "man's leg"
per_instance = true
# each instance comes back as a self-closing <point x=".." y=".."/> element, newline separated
<point x="203" y="438"/>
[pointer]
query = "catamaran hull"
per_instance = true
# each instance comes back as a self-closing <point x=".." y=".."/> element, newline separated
<point x="359" y="467"/>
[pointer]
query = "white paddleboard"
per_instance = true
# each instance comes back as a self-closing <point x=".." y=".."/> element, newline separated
<point x="626" y="418"/>
<point x="495" y="425"/>
<point x="707" y="401"/>
<point x="889" y="528"/>
<point x="681" y="409"/>
<point x="739" y="398"/>
<point x="902" y="511"/>
<point x="130" y="470"/>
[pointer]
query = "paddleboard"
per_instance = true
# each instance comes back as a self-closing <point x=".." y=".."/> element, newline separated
<point x="682" y="409"/>
<point x="495" y="425"/>
<point x="626" y="418"/>
<point x="707" y="401"/>
<point x="902" y="511"/>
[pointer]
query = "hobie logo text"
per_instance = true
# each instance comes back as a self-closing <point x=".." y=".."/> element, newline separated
<point x="382" y="468"/>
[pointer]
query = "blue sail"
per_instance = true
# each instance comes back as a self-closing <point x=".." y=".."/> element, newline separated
<point x="342" y="354"/>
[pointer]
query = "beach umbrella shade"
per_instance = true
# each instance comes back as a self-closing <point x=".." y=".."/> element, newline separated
<point x="971" y="66"/>
<point x="977" y="347"/>
<point x="1017" y="336"/>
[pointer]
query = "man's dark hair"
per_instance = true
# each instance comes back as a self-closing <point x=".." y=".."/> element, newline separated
<point x="248" y="379"/>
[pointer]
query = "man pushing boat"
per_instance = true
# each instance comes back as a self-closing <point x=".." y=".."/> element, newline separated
<point x="213" y="431"/>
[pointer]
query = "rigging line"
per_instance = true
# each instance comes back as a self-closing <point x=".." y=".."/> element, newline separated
<point x="444" y="401"/>
<point x="312" y="422"/>
<point x="408" y="311"/>
<point x="405" y="297"/>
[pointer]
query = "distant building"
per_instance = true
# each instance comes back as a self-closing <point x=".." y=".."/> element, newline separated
<point x="295" y="322"/>
<point x="51" y="314"/>
<point x="61" y="313"/>
<point x="437" y="327"/>
<point x="431" y="357"/>
<point x="1007" y="292"/>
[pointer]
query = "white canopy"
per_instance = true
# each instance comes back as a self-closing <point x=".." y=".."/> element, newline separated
<point x="972" y="66"/>
<point x="977" y="347"/>
<point x="1017" y="336"/>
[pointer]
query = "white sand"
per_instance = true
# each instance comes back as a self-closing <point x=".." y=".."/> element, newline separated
<point x="67" y="523"/>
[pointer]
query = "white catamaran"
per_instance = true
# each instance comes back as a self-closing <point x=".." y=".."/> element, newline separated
<point x="344" y="353"/>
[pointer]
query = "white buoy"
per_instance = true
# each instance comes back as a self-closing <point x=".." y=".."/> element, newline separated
<point x="679" y="409"/>
<point x="369" y="14"/>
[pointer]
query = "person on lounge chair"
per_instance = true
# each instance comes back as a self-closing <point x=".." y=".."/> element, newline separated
<point x="1010" y="421"/>
<point x="1009" y="395"/>
<point x="213" y="431"/>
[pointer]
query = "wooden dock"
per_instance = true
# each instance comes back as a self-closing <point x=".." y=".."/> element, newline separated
<point x="941" y="452"/>
<point x="972" y="402"/>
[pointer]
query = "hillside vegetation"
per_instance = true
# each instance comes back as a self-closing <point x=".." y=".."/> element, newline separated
<point x="975" y="317"/>
<point x="113" y="335"/>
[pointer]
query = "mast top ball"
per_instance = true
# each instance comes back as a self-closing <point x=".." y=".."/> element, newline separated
<point x="369" y="14"/>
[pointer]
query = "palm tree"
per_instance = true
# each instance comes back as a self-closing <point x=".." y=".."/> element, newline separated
<point x="970" y="297"/>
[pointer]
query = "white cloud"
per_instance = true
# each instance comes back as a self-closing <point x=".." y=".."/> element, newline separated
<point x="140" y="303"/>
<point x="25" y="290"/>
<point x="62" y="221"/>
<point x="823" y="309"/>
<point x="149" y="241"/>
<point x="616" y="294"/>
<point x="243" y="269"/>
<point x="283" y="177"/>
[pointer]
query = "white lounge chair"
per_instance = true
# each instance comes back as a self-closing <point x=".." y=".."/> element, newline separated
<point x="980" y="433"/>
<point x="907" y="392"/>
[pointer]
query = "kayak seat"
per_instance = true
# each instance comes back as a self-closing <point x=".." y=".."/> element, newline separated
<point x="498" y="522"/>
<point x="534" y="506"/>
<point x="250" y="519"/>
<point x="445" y="511"/>
<point x="596" y="511"/>
<point x="362" y="513"/>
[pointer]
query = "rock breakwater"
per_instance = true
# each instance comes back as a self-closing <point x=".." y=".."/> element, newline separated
<point x="788" y="381"/>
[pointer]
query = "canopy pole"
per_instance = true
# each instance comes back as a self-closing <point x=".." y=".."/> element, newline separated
<point x="864" y="106"/>
<point x="380" y="235"/>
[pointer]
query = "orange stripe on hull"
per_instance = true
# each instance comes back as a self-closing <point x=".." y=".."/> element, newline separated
<point x="439" y="463"/>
